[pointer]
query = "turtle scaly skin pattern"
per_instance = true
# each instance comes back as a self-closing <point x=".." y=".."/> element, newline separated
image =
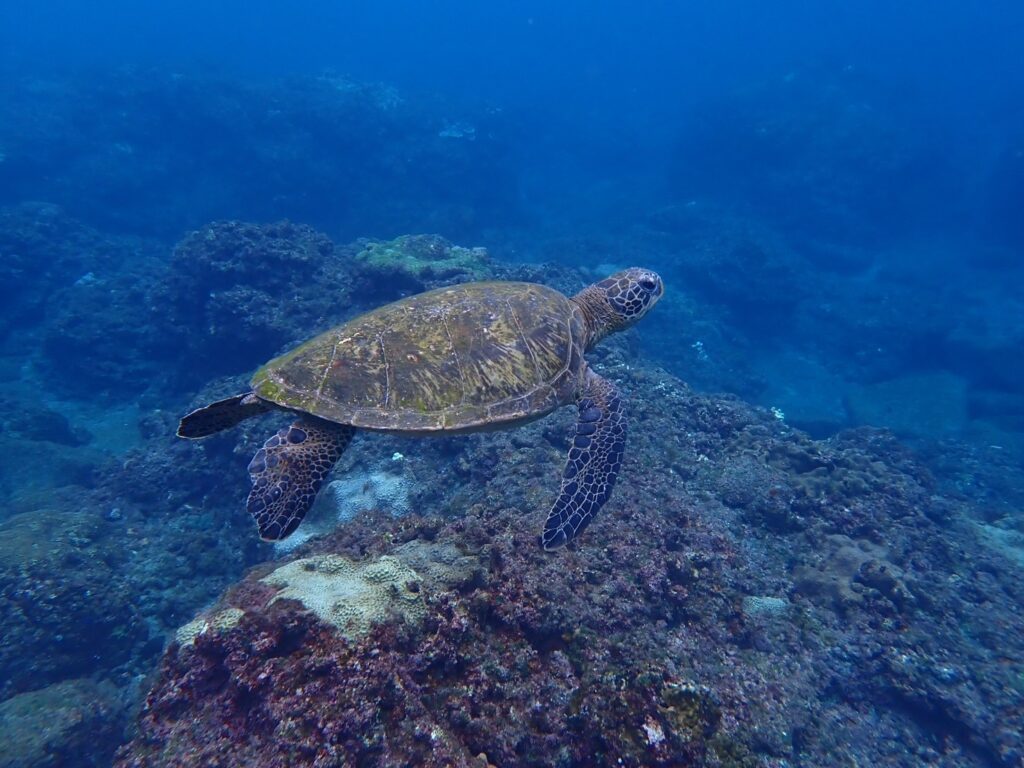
<point x="592" y="465"/>
<point x="301" y="455"/>
<point x="466" y="358"/>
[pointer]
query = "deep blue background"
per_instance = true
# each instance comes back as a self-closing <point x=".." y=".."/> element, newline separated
<point x="838" y="180"/>
<point x="617" y="79"/>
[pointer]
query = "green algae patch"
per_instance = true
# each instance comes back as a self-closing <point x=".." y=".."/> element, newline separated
<point x="425" y="258"/>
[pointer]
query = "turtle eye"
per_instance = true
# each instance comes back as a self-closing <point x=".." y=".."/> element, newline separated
<point x="647" y="283"/>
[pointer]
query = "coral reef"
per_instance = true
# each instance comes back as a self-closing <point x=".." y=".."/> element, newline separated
<point x="72" y="724"/>
<point x="342" y="499"/>
<point x="750" y="596"/>
<point x="218" y="621"/>
<point x="159" y="153"/>
<point x="419" y="262"/>
<point x="90" y="288"/>
<point x="351" y="596"/>
<point x="347" y="497"/>
<point x="63" y="594"/>
<point x="232" y="295"/>
<point x="749" y="268"/>
<point x="275" y="257"/>
<point x="40" y="436"/>
<point x="239" y="292"/>
<point x="44" y="248"/>
<point x="103" y="336"/>
<point x="21" y="421"/>
<point x="728" y="607"/>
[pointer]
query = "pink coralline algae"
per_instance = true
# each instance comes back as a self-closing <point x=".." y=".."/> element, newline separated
<point x="749" y="597"/>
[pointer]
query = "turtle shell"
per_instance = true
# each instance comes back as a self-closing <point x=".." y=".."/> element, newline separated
<point x="461" y="358"/>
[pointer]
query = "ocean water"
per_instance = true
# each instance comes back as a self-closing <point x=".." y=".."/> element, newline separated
<point x="814" y="551"/>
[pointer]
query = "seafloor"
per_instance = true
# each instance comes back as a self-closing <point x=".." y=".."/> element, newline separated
<point x="751" y="597"/>
<point x="767" y="587"/>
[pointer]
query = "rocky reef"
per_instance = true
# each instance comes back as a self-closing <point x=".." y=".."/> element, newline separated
<point x="158" y="153"/>
<point x="62" y="595"/>
<point x="230" y="294"/>
<point x="749" y="597"/>
<point x="419" y="262"/>
<point x="75" y="722"/>
<point x="781" y="587"/>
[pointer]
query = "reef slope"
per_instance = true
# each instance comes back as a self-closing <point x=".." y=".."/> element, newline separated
<point x="749" y="597"/>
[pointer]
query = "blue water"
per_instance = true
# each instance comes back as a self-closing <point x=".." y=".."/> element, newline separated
<point x="832" y="192"/>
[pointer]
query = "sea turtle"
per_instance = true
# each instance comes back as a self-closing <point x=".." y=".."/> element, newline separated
<point x="466" y="358"/>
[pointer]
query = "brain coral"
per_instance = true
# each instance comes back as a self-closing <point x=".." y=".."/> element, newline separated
<point x="350" y="595"/>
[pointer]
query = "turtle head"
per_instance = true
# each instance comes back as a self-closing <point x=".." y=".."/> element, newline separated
<point x="619" y="300"/>
<point x="632" y="292"/>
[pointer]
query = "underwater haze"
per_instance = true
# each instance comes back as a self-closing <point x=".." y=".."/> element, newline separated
<point x="759" y="502"/>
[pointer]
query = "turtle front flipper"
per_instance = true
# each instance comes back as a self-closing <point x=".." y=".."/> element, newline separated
<point x="593" y="463"/>
<point x="221" y="415"/>
<point x="289" y="469"/>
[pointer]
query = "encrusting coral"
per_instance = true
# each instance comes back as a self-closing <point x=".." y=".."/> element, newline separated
<point x="685" y="631"/>
<point x="351" y="596"/>
<point x="424" y="261"/>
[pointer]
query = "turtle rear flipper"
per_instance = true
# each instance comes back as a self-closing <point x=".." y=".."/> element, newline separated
<point x="221" y="415"/>
<point x="592" y="465"/>
<point x="289" y="469"/>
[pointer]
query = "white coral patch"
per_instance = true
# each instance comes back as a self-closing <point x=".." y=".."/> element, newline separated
<point x="351" y="595"/>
